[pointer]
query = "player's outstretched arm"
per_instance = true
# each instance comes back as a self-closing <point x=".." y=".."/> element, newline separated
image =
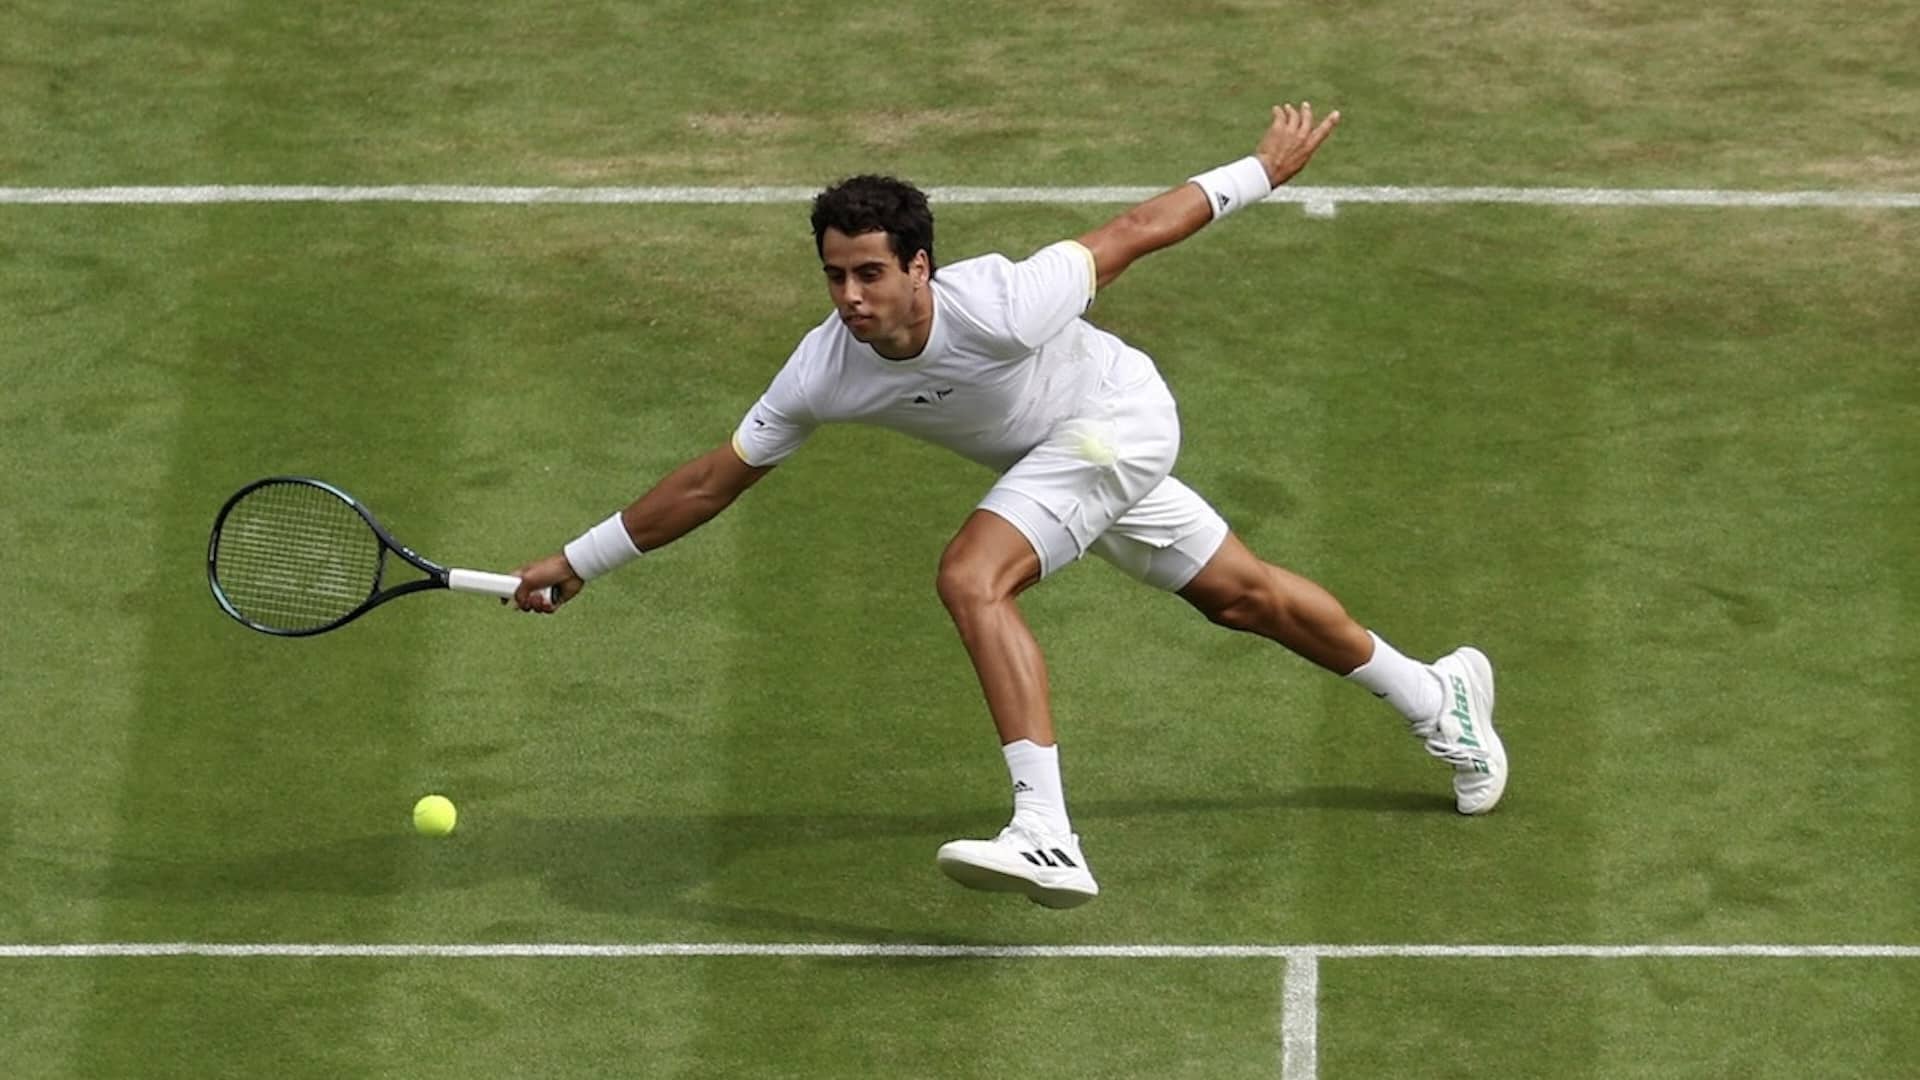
<point x="681" y="502"/>
<point x="1171" y="217"/>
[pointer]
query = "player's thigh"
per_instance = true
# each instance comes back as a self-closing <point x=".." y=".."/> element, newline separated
<point x="1166" y="538"/>
<point x="988" y="558"/>
<point x="1089" y="473"/>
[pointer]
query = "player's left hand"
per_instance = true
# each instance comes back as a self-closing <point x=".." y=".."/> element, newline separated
<point x="1290" y="142"/>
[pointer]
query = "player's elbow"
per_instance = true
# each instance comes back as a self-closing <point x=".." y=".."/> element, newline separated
<point x="1118" y="243"/>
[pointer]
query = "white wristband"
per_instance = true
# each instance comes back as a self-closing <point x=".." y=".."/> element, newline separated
<point x="1234" y="185"/>
<point x="604" y="548"/>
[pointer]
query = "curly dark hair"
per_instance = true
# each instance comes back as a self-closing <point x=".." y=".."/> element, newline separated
<point x="864" y="204"/>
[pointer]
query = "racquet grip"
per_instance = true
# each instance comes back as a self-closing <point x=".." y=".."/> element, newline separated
<point x="479" y="581"/>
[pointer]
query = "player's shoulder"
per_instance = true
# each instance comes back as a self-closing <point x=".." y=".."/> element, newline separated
<point x="994" y="272"/>
<point x="823" y="343"/>
<point x="814" y="362"/>
<point x="976" y="287"/>
<point x="976" y="271"/>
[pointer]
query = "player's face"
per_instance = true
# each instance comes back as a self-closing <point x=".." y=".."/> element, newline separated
<point x="874" y="296"/>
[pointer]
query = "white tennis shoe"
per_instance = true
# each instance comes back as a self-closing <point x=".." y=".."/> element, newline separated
<point x="1048" y="869"/>
<point x="1462" y="734"/>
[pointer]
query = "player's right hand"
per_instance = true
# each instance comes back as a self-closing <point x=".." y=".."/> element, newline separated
<point x="537" y="581"/>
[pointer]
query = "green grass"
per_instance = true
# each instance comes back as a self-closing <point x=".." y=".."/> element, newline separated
<point x="1121" y="91"/>
<point x="1618" y="1018"/>
<point x="1661" y="464"/>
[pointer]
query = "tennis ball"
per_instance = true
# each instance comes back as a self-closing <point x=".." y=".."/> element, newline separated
<point x="434" y="816"/>
<point x="1096" y="450"/>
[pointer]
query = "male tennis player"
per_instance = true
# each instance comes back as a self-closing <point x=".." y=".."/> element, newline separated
<point x="992" y="359"/>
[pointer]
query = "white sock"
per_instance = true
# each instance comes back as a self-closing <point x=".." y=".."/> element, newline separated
<point x="1037" y="797"/>
<point x="1408" y="685"/>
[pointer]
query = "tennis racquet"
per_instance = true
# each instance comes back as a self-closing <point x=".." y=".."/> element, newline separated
<point x="294" y="556"/>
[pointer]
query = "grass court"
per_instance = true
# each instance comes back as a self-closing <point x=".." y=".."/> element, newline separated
<point x="1661" y="463"/>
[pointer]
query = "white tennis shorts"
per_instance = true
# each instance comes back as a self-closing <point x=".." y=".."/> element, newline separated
<point x="1100" y="482"/>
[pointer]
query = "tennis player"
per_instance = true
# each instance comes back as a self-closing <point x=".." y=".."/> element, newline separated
<point x="992" y="359"/>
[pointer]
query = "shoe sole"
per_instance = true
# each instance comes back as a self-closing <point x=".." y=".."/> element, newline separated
<point x="1482" y="670"/>
<point x="993" y="879"/>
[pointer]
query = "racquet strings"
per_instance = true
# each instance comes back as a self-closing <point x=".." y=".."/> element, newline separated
<point x="294" y="557"/>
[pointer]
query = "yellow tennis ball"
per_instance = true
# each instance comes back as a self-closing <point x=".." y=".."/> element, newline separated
<point x="434" y="815"/>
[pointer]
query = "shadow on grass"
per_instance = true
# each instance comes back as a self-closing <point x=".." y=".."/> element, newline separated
<point x="651" y="864"/>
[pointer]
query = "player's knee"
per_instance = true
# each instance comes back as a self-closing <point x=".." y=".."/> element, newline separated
<point x="964" y="583"/>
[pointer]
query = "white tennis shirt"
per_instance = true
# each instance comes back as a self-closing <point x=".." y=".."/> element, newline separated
<point x="1008" y="358"/>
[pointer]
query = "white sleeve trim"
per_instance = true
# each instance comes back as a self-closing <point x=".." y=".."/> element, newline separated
<point x="1093" y="268"/>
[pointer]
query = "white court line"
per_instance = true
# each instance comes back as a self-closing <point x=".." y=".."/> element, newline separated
<point x="1300" y="1018"/>
<point x="1317" y="201"/>
<point x="1300" y="989"/>
<point x="907" y="951"/>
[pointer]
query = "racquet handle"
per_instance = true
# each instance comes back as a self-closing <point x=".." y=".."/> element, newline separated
<point x="492" y="585"/>
<point x="500" y="585"/>
<point x="479" y="581"/>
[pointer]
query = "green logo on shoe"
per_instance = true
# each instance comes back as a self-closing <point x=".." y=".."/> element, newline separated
<point x="1463" y="713"/>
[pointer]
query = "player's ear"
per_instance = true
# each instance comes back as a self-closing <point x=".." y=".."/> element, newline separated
<point x="920" y="269"/>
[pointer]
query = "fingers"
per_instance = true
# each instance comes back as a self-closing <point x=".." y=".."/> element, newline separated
<point x="1292" y="139"/>
<point x="1325" y="129"/>
<point x="545" y="599"/>
<point x="531" y="597"/>
<point x="1294" y="125"/>
<point x="545" y="585"/>
<point x="1300" y="118"/>
<point x="1299" y="123"/>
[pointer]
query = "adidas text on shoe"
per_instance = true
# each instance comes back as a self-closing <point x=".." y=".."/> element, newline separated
<point x="1463" y="735"/>
<point x="1048" y="870"/>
